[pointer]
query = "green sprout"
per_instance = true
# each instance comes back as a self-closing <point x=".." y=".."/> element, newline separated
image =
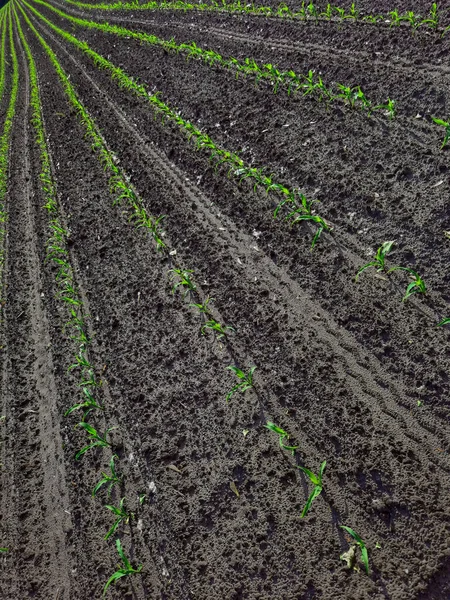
<point x="396" y="18"/>
<point x="88" y="405"/>
<point x="361" y="544"/>
<point x="433" y="19"/>
<point x="282" y="435"/>
<point x="447" y="130"/>
<point x="322" y="224"/>
<point x="121" y="572"/>
<point x="445" y="321"/>
<point x="316" y="480"/>
<point x="109" y="480"/>
<point x="246" y="380"/>
<point x="222" y="330"/>
<point x="185" y="281"/>
<point x="353" y="14"/>
<point x="379" y="259"/>
<point x="4" y="550"/>
<point x="203" y="308"/>
<point x="328" y="13"/>
<point x="121" y="514"/>
<point x="96" y="439"/>
<point x="389" y="107"/>
<point x="416" y="286"/>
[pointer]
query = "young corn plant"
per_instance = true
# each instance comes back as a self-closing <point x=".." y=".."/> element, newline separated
<point x="213" y="325"/>
<point x="433" y="18"/>
<point x="316" y="480"/>
<point x="3" y="549"/>
<point x="389" y="107"/>
<point x="350" y="556"/>
<point x="379" y="259"/>
<point x="122" y="516"/>
<point x="282" y="435"/>
<point x="203" y="308"/>
<point x="109" y="479"/>
<point x="184" y="280"/>
<point x="97" y="441"/>
<point x="415" y="287"/>
<point x="127" y="569"/>
<point x="445" y="124"/>
<point x="246" y="381"/>
<point x="88" y="405"/>
<point x="396" y="18"/>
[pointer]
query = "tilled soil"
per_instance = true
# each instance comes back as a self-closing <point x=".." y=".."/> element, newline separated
<point x="356" y="376"/>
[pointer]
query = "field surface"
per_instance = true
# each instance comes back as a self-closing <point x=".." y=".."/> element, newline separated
<point x="158" y="164"/>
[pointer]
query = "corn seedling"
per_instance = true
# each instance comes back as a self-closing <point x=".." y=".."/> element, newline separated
<point x="395" y="18"/>
<point x="445" y="321"/>
<point x="362" y="546"/>
<point x="184" y="280"/>
<point x="282" y="435"/>
<point x="379" y="259"/>
<point x="3" y="549"/>
<point x="203" y="308"/>
<point x="353" y="14"/>
<point x="433" y="18"/>
<point x="108" y="479"/>
<point x="246" y="381"/>
<point x="322" y="224"/>
<point x="213" y="325"/>
<point x="316" y="480"/>
<point x="389" y="107"/>
<point x="415" y="287"/>
<point x="88" y="405"/>
<point x="445" y="124"/>
<point x="127" y="569"/>
<point x="328" y="13"/>
<point x="122" y="517"/>
<point x="97" y="441"/>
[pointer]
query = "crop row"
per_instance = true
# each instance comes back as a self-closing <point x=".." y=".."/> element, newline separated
<point x="6" y="137"/>
<point x="307" y="12"/>
<point x="57" y="253"/>
<point x="6" y="26"/>
<point x="309" y="84"/>
<point x="298" y="208"/>
<point x="183" y="280"/>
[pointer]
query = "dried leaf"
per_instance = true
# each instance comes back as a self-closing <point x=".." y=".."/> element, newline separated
<point x="234" y="489"/>
<point x="174" y="468"/>
<point x="350" y="557"/>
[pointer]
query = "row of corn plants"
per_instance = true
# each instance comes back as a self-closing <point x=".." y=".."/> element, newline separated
<point x="296" y="206"/>
<point x="5" y="140"/>
<point x="299" y="208"/>
<point x="3" y="176"/>
<point x="309" y="85"/>
<point x="3" y="30"/>
<point x="57" y="254"/>
<point x="183" y="281"/>
<point x="307" y="12"/>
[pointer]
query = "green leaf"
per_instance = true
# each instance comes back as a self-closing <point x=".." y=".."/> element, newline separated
<point x="316" y="491"/>
<point x="365" y="557"/>
<point x="354" y="535"/>
<point x="114" y="577"/>
<point x="313" y="478"/>
<point x="275" y="428"/>
<point x="445" y="321"/>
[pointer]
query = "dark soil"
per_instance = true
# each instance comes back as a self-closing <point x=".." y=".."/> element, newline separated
<point x="356" y="376"/>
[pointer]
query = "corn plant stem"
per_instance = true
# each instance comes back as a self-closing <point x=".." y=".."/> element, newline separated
<point x="5" y="140"/>
<point x="288" y="80"/>
<point x="236" y="166"/>
<point x="237" y="7"/>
